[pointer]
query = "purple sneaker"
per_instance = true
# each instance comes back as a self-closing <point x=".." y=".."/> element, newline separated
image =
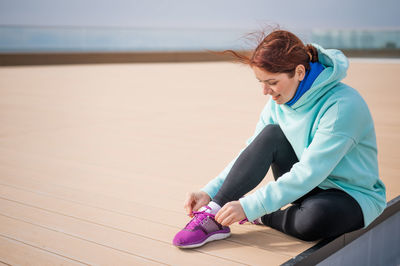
<point x="201" y="229"/>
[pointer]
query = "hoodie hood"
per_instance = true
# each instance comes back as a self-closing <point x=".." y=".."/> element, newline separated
<point x="336" y="65"/>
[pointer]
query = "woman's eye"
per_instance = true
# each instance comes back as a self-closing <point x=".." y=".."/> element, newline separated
<point x="270" y="84"/>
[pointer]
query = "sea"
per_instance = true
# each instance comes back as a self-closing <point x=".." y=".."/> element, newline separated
<point x="20" y="39"/>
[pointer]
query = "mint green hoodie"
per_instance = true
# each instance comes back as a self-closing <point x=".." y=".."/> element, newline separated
<point x="332" y="133"/>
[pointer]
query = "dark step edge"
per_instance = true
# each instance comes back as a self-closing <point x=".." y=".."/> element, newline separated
<point x="327" y="247"/>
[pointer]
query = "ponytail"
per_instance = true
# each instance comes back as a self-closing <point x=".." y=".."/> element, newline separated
<point x="312" y="53"/>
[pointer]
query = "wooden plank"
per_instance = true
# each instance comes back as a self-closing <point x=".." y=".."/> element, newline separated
<point x="64" y="245"/>
<point x="257" y="254"/>
<point x="84" y="179"/>
<point x="150" y="210"/>
<point x="14" y="252"/>
<point x="112" y="238"/>
<point x="129" y="161"/>
<point x="258" y="236"/>
<point x="94" y="179"/>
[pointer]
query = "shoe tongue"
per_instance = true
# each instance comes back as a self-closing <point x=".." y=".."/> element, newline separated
<point x="198" y="218"/>
<point x="208" y="210"/>
<point x="204" y="209"/>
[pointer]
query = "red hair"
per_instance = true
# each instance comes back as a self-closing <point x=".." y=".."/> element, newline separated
<point x="279" y="52"/>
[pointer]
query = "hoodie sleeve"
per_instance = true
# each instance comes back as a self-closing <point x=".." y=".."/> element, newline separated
<point x="318" y="160"/>
<point x="215" y="184"/>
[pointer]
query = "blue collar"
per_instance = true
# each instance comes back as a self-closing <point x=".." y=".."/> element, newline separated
<point x="311" y="74"/>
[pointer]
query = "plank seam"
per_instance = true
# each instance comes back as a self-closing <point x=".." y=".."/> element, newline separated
<point x="5" y="263"/>
<point x="124" y="214"/>
<point x="77" y="237"/>
<point x="100" y="208"/>
<point x="128" y="215"/>
<point x="42" y="249"/>
<point x="110" y="227"/>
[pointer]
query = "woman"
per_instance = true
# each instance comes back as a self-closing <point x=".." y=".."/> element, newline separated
<point x="317" y="135"/>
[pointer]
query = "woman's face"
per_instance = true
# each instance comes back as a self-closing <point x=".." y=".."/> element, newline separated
<point x="279" y="85"/>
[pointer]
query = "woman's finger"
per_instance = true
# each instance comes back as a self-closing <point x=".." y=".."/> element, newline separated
<point x="197" y="206"/>
<point x="189" y="204"/>
<point x="218" y="214"/>
<point x="221" y="215"/>
<point x="227" y="221"/>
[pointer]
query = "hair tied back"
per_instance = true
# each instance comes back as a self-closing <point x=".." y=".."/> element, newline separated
<point x="312" y="53"/>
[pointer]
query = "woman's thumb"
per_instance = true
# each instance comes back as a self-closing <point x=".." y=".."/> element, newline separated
<point x="197" y="206"/>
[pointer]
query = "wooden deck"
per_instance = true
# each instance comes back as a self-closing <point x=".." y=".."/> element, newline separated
<point x="95" y="160"/>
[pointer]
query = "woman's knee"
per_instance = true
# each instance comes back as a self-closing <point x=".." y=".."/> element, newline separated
<point x="272" y="133"/>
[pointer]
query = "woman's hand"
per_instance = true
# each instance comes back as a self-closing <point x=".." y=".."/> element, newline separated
<point x="231" y="212"/>
<point x="195" y="200"/>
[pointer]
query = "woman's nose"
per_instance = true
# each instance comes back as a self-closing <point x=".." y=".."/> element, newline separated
<point x="267" y="89"/>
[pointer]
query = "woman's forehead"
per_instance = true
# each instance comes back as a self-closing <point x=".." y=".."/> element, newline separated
<point x="265" y="75"/>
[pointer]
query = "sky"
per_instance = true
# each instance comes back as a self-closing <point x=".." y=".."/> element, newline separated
<point x="244" y="14"/>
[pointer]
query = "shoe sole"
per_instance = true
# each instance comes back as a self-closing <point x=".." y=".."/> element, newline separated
<point x="209" y="239"/>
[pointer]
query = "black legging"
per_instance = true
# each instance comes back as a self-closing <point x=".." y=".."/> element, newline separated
<point x="316" y="215"/>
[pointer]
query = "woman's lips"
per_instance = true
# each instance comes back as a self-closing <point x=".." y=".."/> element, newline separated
<point x="275" y="97"/>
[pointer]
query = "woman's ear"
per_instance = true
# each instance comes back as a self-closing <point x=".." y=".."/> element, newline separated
<point x="300" y="72"/>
